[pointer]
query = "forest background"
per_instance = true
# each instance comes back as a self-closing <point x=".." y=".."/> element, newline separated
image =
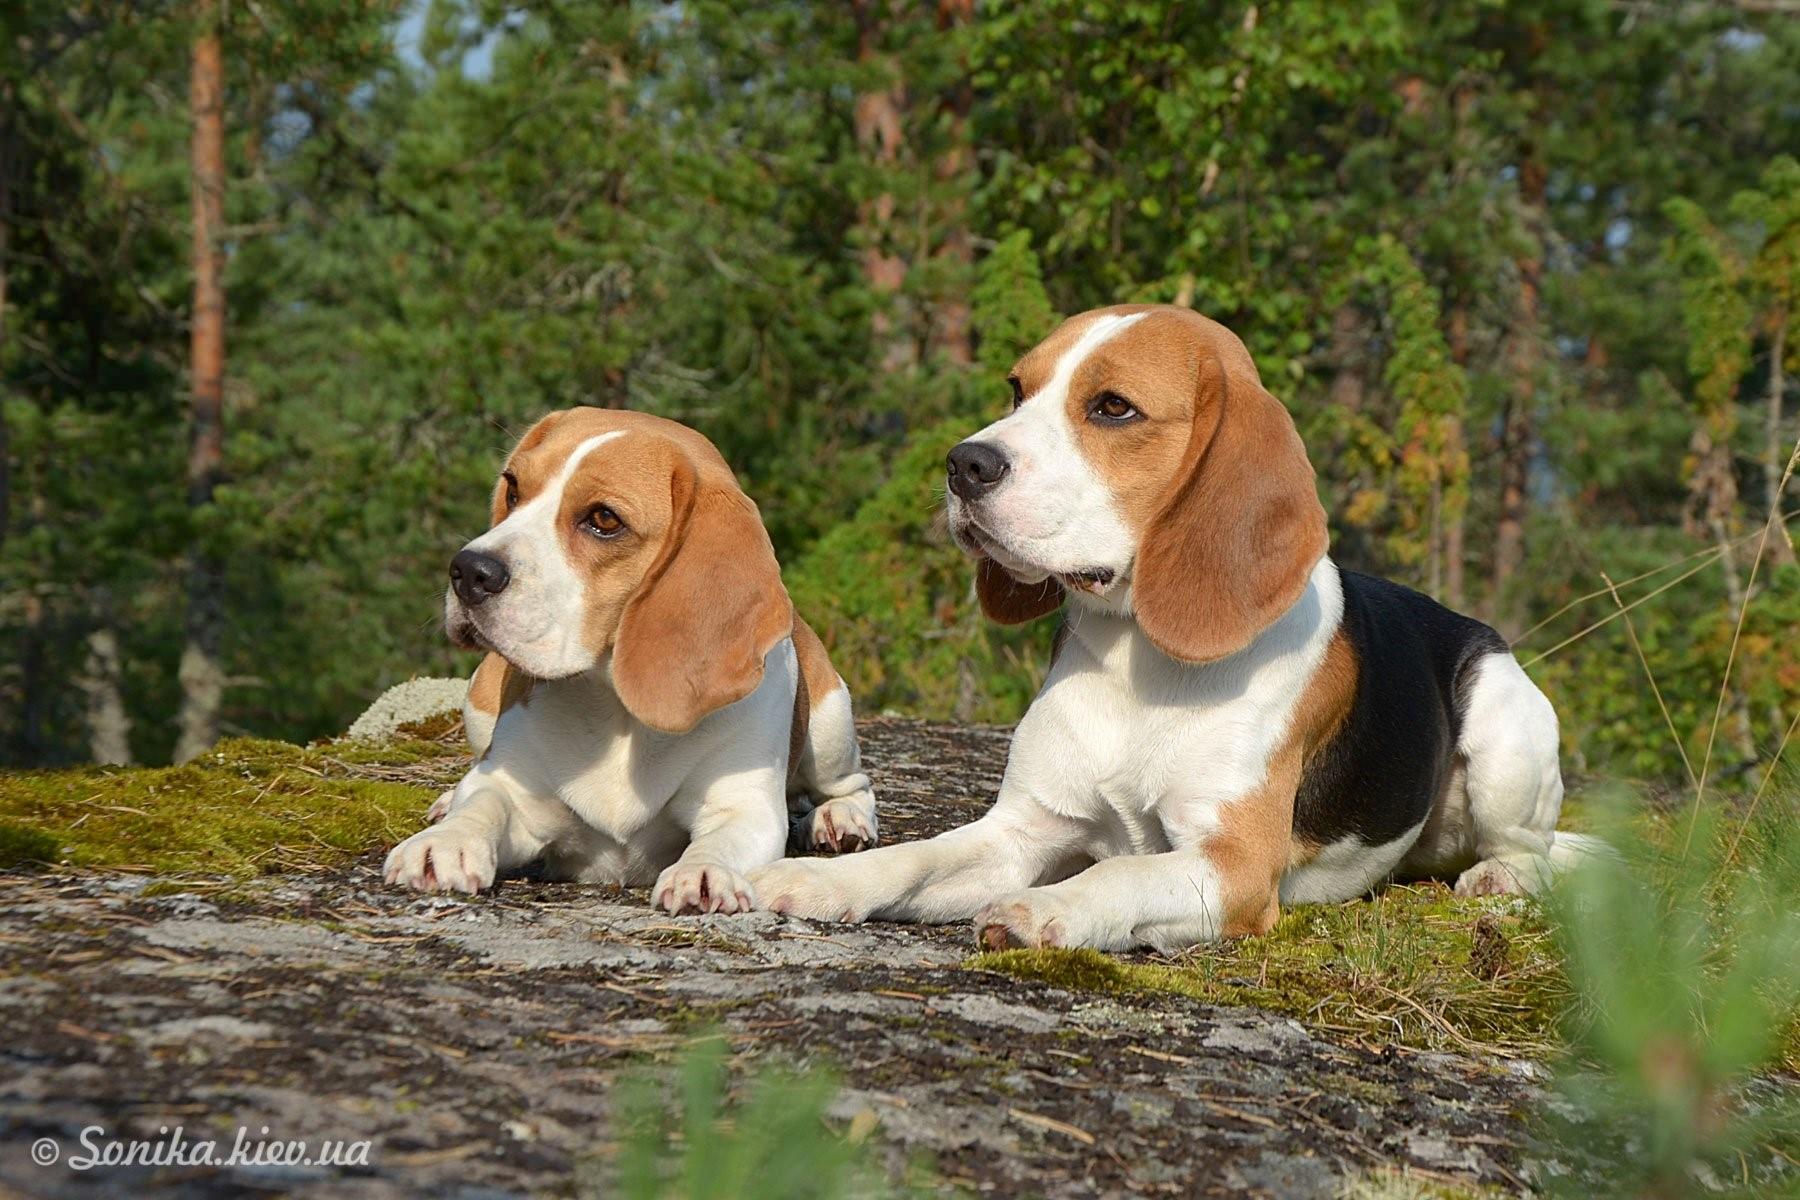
<point x="279" y="283"/>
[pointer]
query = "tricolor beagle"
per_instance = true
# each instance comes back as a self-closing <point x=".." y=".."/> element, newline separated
<point x="1229" y="721"/>
<point x="651" y="705"/>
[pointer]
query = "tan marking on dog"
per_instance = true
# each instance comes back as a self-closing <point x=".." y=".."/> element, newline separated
<point x="694" y="635"/>
<point x="497" y="685"/>
<point x="1155" y="364"/>
<point x="1256" y="845"/>
<point x="817" y="680"/>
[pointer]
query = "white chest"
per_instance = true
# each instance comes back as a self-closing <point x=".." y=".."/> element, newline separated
<point x="1151" y="748"/>
<point x="574" y="741"/>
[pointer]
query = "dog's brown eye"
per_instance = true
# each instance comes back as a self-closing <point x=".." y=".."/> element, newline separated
<point x="1018" y="390"/>
<point x="512" y="492"/>
<point x="1110" y="406"/>
<point x="602" y="521"/>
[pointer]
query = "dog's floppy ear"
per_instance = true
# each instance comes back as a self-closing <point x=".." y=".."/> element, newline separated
<point x="1238" y="536"/>
<point x="693" y="637"/>
<point x="1006" y="600"/>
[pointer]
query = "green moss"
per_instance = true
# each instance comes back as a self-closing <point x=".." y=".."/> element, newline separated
<point x="400" y="752"/>
<point x="1395" y="968"/>
<point x="248" y="807"/>
<point x="24" y="845"/>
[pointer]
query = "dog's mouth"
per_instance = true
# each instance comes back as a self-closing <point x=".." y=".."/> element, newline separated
<point x="462" y="632"/>
<point x="1093" y="580"/>
<point x="979" y="543"/>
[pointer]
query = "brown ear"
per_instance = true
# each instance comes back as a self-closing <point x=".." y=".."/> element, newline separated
<point x="1238" y="536"/>
<point x="693" y="637"/>
<point x="1006" y="600"/>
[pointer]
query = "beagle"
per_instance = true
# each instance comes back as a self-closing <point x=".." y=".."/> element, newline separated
<point x="1229" y="722"/>
<point x="651" y="707"/>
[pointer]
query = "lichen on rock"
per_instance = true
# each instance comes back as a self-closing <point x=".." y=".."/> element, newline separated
<point x="409" y="703"/>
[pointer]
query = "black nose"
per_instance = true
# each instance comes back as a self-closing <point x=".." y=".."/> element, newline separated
<point x="975" y="467"/>
<point x="476" y="576"/>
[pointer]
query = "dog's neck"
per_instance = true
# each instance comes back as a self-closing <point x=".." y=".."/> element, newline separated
<point x="1108" y="628"/>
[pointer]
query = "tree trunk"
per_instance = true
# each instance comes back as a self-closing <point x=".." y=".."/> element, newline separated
<point x="1775" y="444"/>
<point x="202" y="676"/>
<point x="955" y="252"/>
<point x="108" y="723"/>
<point x="1455" y="589"/>
<point x="8" y="154"/>
<point x="1455" y="593"/>
<point x="877" y="121"/>
<point x="1518" y="425"/>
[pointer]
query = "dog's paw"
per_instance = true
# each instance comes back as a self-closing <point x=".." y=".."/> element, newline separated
<point x="440" y="808"/>
<point x="1522" y="875"/>
<point x="442" y="859"/>
<point x="703" y="888"/>
<point x="1025" y="919"/>
<point x="842" y="825"/>
<point x="805" y="887"/>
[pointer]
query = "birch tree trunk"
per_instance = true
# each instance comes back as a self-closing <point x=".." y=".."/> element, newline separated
<point x="101" y="683"/>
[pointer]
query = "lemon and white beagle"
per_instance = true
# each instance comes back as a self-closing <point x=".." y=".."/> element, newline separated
<point x="651" y="706"/>
<point x="1229" y="721"/>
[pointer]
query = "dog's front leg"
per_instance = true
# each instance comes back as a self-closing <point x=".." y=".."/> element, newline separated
<point x="945" y="878"/>
<point x="735" y="823"/>
<point x="491" y="827"/>
<point x="1224" y="886"/>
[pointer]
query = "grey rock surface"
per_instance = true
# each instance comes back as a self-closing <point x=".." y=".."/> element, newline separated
<point x="475" y="1044"/>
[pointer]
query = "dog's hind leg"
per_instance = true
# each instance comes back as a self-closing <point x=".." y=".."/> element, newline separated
<point x="829" y="798"/>
<point x="1506" y="839"/>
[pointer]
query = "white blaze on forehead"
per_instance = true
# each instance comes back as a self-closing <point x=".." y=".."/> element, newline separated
<point x="537" y="622"/>
<point x="1103" y="330"/>
<point x="1054" y="513"/>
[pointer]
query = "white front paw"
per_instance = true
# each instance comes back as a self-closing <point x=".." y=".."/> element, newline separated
<point x="444" y="858"/>
<point x="440" y="808"/>
<point x="703" y="888"/>
<point x="806" y="887"/>
<point x="842" y="825"/>
<point x="1029" y="919"/>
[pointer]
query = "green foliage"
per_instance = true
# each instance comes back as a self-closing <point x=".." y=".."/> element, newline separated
<point x="1687" y="969"/>
<point x="889" y="593"/>
<point x="1774" y="206"/>
<point x="1717" y="315"/>
<point x="773" y="1144"/>
<point x="1012" y="309"/>
<point x="894" y="601"/>
<point x="542" y="204"/>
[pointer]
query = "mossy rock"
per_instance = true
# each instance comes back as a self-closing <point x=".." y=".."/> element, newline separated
<point x="248" y="807"/>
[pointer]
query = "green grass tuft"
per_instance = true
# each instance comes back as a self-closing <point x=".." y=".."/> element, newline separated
<point x="773" y="1143"/>
<point x="245" y="808"/>
<point x="1415" y="964"/>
